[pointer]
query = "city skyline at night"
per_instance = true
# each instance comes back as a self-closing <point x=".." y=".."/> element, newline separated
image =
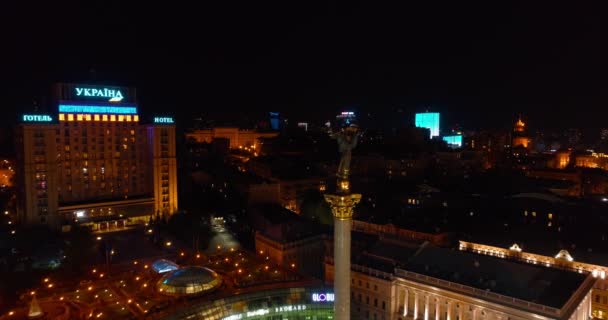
<point x="317" y="160"/>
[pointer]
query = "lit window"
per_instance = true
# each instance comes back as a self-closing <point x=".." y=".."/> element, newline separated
<point x="550" y="216"/>
<point x="128" y="118"/>
<point x="534" y="213"/>
<point x="112" y="118"/>
<point x="121" y="118"/>
<point x="526" y="213"/>
<point x="79" y="117"/>
<point x="61" y="117"/>
<point x="96" y="117"/>
<point x="88" y="117"/>
<point x="135" y="118"/>
<point x="104" y="117"/>
<point x="70" y="117"/>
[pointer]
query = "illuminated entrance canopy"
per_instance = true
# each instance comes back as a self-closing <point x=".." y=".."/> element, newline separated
<point x="167" y="120"/>
<point x="113" y="95"/>
<point x="37" y="118"/>
<point x="99" y="109"/>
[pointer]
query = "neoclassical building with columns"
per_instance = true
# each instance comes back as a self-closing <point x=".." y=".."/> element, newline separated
<point x="399" y="280"/>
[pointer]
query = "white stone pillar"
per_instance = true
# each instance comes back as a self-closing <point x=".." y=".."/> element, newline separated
<point x="415" y="305"/>
<point x="475" y="313"/>
<point x="406" y="301"/>
<point x="437" y="309"/>
<point x="426" y="307"/>
<point x="342" y="275"/>
<point x="449" y="310"/>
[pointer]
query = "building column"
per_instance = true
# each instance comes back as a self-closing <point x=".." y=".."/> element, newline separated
<point x="415" y="305"/>
<point x="461" y="312"/>
<point x="475" y="313"/>
<point x="449" y="310"/>
<point x="426" y="307"/>
<point x="437" y="308"/>
<point x="406" y="301"/>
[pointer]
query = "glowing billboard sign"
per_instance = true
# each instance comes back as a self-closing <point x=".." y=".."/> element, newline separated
<point x="100" y="109"/>
<point x="164" y="120"/>
<point x="37" y="118"/>
<point x="264" y="311"/>
<point x="323" y="297"/>
<point x="113" y="95"/>
<point x="453" y="141"/>
<point x="429" y="121"/>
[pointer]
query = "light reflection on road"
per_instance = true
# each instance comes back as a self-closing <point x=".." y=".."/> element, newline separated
<point x="221" y="237"/>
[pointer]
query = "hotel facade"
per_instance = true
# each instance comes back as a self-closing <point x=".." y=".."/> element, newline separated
<point x="95" y="160"/>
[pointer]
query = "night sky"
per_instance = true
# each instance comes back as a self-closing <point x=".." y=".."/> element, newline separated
<point x="479" y="63"/>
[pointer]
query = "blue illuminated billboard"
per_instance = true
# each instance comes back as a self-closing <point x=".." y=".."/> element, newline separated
<point x="99" y="109"/>
<point x="429" y="120"/>
<point x="453" y="141"/>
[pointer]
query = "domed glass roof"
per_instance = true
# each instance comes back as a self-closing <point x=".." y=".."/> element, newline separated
<point x="189" y="281"/>
<point x="164" y="265"/>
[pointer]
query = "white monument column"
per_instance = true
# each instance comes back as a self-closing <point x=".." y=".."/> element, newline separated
<point x="342" y="205"/>
<point x="342" y="208"/>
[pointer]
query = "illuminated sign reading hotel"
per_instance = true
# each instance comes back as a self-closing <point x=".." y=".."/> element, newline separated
<point x="71" y="108"/>
<point x="37" y="118"/>
<point x="167" y="120"/>
<point x="323" y="297"/>
<point x="113" y="95"/>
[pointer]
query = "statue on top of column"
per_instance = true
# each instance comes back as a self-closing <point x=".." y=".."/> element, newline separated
<point x="347" y="141"/>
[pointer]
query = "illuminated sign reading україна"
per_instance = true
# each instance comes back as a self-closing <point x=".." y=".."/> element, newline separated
<point x="113" y="95"/>
<point x="37" y="118"/>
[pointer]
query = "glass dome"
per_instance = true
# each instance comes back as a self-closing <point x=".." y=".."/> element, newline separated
<point x="189" y="281"/>
<point x="164" y="265"/>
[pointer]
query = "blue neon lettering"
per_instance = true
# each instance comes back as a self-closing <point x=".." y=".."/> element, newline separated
<point x="114" y="95"/>
<point x="163" y="120"/>
<point x="37" y="118"/>
<point x="68" y="108"/>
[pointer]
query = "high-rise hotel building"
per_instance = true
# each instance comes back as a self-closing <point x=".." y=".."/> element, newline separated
<point x="95" y="160"/>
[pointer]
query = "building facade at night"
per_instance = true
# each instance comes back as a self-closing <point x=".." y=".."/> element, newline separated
<point x="399" y="280"/>
<point x="238" y="138"/>
<point x="95" y="160"/>
<point x="429" y="120"/>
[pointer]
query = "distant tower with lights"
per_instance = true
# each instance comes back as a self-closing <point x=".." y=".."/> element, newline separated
<point x="520" y="137"/>
<point x="342" y="205"/>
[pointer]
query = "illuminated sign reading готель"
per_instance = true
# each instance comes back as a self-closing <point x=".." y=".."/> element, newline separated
<point x="37" y="118"/>
<point x="113" y="95"/>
